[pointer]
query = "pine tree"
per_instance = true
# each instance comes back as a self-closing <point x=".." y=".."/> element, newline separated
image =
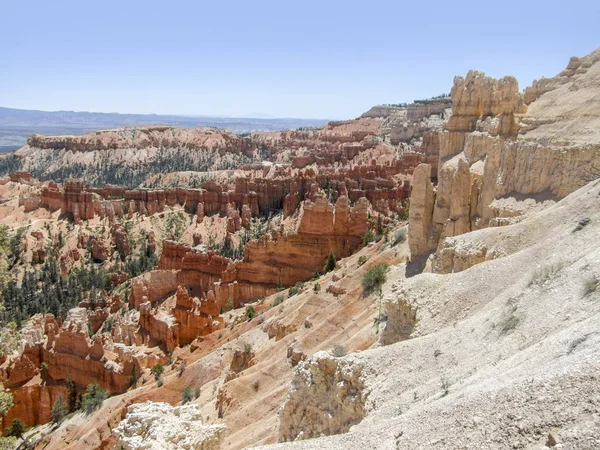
<point x="59" y="410"/>
<point x="330" y="263"/>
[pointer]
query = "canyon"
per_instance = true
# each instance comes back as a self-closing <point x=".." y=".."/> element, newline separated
<point x="479" y="204"/>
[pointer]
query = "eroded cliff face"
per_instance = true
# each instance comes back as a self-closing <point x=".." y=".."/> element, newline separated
<point x="486" y="156"/>
<point x="274" y="260"/>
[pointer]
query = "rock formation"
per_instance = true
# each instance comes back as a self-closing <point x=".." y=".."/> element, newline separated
<point x="160" y="426"/>
<point x="267" y="263"/>
<point x="483" y="157"/>
<point x="327" y="396"/>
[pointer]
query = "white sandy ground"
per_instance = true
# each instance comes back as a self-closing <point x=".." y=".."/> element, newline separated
<point x="515" y="340"/>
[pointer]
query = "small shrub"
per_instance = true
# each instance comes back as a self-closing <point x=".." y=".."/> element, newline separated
<point x="338" y="350"/>
<point x="399" y="236"/>
<point x="157" y="370"/>
<point x="295" y="289"/>
<point x="541" y="274"/>
<point x="590" y="285"/>
<point x="247" y="348"/>
<point x="316" y="288"/>
<point x="437" y="353"/>
<point x="574" y="344"/>
<point x="380" y="318"/>
<point x="581" y="223"/>
<point x="316" y="276"/>
<point x="134" y="377"/>
<point x="187" y="395"/>
<point x="406" y="214"/>
<point x="109" y="323"/>
<point x="59" y="410"/>
<point x="93" y="398"/>
<point x="250" y="313"/>
<point x="509" y="324"/>
<point x="256" y="385"/>
<point x="368" y="237"/>
<point x="181" y="369"/>
<point x="278" y="300"/>
<point x="361" y="260"/>
<point x="374" y="278"/>
<point x="330" y="263"/>
<point x="159" y="382"/>
<point x="445" y="386"/>
<point x="197" y="392"/>
<point x="219" y="336"/>
<point x="16" y="429"/>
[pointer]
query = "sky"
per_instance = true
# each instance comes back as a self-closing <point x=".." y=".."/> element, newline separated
<point x="305" y="59"/>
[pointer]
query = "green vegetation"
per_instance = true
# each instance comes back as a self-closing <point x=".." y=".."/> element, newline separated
<point x="361" y="260"/>
<point x="374" y="278"/>
<point x="330" y="263"/>
<point x="73" y="400"/>
<point x="295" y="289"/>
<point x="45" y="290"/>
<point x="134" y="377"/>
<point x="250" y="313"/>
<point x="338" y="350"/>
<point x="93" y="398"/>
<point x="157" y="370"/>
<point x="59" y="410"/>
<point x="368" y="237"/>
<point x="399" y="236"/>
<point x="143" y="261"/>
<point x="590" y="285"/>
<point x="278" y="300"/>
<point x="316" y="288"/>
<point x="16" y="429"/>
<point x="406" y="213"/>
<point x="176" y="223"/>
<point x="6" y="400"/>
<point x="187" y="395"/>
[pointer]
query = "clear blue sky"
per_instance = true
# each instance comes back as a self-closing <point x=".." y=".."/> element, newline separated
<point x="327" y="59"/>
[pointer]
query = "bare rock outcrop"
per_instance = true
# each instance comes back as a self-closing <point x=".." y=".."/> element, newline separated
<point x="160" y="426"/>
<point x="327" y="396"/>
<point x="485" y="156"/>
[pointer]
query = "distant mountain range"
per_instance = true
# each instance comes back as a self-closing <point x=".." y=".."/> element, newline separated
<point x="17" y="124"/>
